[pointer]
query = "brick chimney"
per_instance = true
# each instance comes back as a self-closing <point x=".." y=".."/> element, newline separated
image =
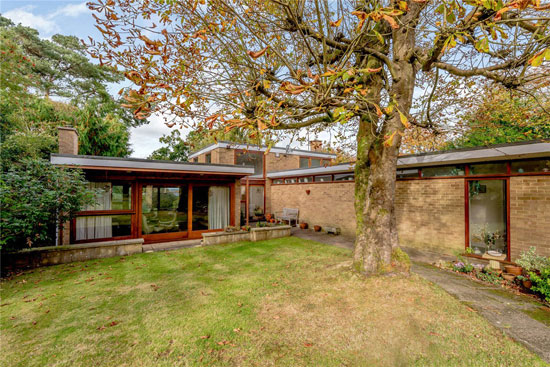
<point x="316" y="145"/>
<point x="68" y="140"/>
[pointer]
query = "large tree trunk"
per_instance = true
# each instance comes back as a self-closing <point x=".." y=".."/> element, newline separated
<point x="376" y="238"/>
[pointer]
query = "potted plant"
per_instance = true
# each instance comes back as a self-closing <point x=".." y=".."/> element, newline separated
<point x="317" y="228"/>
<point x="509" y="277"/>
<point x="513" y="269"/>
<point x="303" y="225"/>
<point x="525" y="281"/>
<point x="258" y="211"/>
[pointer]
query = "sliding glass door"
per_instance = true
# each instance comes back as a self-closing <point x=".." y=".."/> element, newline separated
<point x="487" y="217"/>
<point x="171" y="212"/>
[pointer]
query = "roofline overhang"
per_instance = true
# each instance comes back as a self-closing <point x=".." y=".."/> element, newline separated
<point x="253" y="147"/>
<point x="147" y="165"/>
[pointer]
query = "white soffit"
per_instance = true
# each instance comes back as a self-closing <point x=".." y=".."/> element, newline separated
<point x="134" y="164"/>
<point x="510" y="152"/>
<point x="276" y="150"/>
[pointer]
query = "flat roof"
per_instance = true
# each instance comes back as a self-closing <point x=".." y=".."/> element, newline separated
<point x="277" y="150"/>
<point x="137" y="164"/>
<point x="513" y="151"/>
<point x="343" y="167"/>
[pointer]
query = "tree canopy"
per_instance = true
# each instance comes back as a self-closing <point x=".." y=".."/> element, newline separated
<point x="358" y="67"/>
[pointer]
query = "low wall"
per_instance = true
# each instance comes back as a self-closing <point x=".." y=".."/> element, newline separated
<point x="255" y="234"/>
<point x="268" y="233"/>
<point x="218" y="238"/>
<point x="53" y="255"/>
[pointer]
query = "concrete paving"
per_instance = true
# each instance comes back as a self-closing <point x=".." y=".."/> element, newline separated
<point x="505" y="310"/>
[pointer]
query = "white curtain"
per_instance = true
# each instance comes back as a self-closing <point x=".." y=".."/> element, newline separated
<point x="219" y="204"/>
<point x="91" y="227"/>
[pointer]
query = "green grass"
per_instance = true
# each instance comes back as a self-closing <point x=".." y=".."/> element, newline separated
<point x="541" y="314"/>
<point x="285" y="302"/>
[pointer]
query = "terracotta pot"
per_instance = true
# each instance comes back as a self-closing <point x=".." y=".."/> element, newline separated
<point x="513" y="269"/>
<point x="509" y="277"/>
<point x="303" y="225"/>
<point x="317" y="228"/>
<point x="527" y="284"/>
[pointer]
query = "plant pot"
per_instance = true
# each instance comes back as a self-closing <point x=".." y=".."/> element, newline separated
<point x="513" y="269"/>
<point x="317" y="228"/>
<point x="527" y="284"/>
<point x="303" y="225"/>
<point x="509" y="277"/>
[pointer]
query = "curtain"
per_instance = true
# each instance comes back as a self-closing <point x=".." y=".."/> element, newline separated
<point x="219" y="204"/>
<point x="92" y="227"/>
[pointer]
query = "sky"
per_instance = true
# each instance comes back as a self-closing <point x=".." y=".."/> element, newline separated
<point x="72" y="17"/>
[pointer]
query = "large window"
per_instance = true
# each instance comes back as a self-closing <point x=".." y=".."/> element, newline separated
<point x="111" y="214"/>
<point x="163" y="209"/>
<point x="255" y="159"/>
<point x="488" y="168"/>
<point x="304" y="162"/>
<point x="407" y="173"/>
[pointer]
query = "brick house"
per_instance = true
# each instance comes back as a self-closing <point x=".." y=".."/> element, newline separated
<point x="488" y="199"/>
<point x="444" y="201"/>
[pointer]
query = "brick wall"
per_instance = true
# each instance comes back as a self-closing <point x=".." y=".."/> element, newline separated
<point x="529" y="214"/>
<point x="223" y="156"/>
<point x="430" y="214"/>
<point x="68" y="140"/>
<point x="282" y="162"/>
<point x="328" y="204"/>
<point x="237" y="201"/>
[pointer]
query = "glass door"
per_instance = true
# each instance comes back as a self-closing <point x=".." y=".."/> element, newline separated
<point x="164" y="213"/>
<point x="487" y="217"/>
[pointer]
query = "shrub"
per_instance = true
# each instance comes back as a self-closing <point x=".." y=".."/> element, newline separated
<point x="541" y="283"/>
<point x="530" y="261"/>
<point x="35" y="198"/>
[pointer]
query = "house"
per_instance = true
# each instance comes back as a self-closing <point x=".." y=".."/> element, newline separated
<point x="493" y="200"/>
<point x="154" y="200"/>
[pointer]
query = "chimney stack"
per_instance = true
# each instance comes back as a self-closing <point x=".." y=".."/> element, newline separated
<point x="68" y="140"/>
<point x="316" y="145"/>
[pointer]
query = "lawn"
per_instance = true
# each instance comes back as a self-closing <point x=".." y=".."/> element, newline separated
<point x="286" y="302"/>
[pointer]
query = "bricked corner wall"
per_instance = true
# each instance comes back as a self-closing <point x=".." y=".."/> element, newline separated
<point x="223" y="156"/>
<point x="237" y="200"/>
<point x="529" y="214"/>
<point x="328" y="204"/>
<point x="282" y="162"/>
<point x="430" y="214"/>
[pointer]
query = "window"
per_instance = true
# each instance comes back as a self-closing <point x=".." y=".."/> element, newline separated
<point x="277" y="182"/>
<point x="195" y="160"/>
<point x="103" y="226"/>
<point x="290" y="180"/>
<point x="324" y="178"/>
<point x="211" y="207"/>
<point x="116" y="200"/>
<point x="305" y="179"/>
<point x="208" y="158"/>
<point x="538" y="165"/>
<point x="163" y="209"/>
<point x="488" y="168"/>
<point x="255" y="159"/>
<point x="407" y="173"/>
<point x="315" y="162"/>
<point x="443" y="171"/>
<point x="304" y="162"/>
<point x="344" y="177"/>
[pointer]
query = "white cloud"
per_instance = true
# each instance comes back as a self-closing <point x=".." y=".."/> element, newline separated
<point x="42" y="23"/>
<point x="71" y="10"/>
<point x="145" y="139"/>
<point x="46" y="24"/>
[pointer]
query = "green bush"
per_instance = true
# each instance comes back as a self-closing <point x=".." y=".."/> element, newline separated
<point x="35" y="198"/>
<point x="541" y="283"/>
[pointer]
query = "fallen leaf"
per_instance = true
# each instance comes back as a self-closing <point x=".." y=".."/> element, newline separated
<point x="205" y="337"/>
